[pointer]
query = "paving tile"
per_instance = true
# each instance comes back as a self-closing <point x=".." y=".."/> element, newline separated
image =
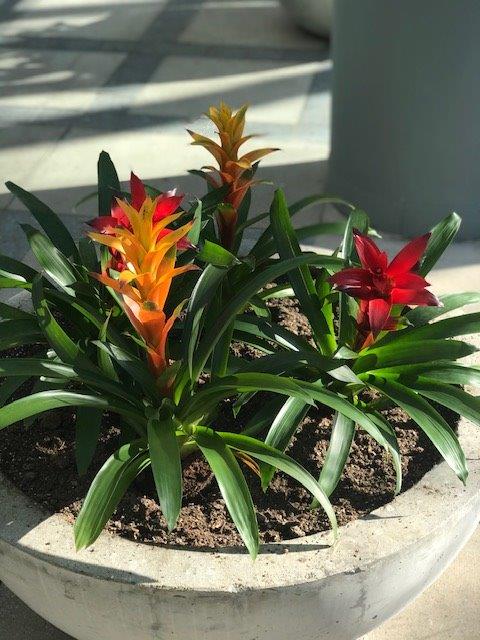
<point x="39" y="85"/>
<point x="96" y="21"/>
<point x="259" y="23"/>
<point x="185" y="86"/>
<point x="23" y="149"/>
<point x="70" y="170"/>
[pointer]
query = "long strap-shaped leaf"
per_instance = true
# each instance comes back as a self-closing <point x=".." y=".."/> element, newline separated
<point x="232" y="484"/>
<point x="106" y="491"/>
<point x="51" y="259"/>
<point x="405" y="352"/>
<point x="441" y="236"/>
<point x="16" y="270"/>
<point x="446" y="328"/>
<point x="87" y="429"/>
<point x="241" y="298"/>
<point x="271" y="456"/>
<point x="52" y="369"/>
<point x="339" y="447"/>
<point x="449" y="396"/>
<point x="19" y="332"/>
<point x="166" y="465"/>
<point x="438" y="370"/>
<point x="319" y="317"/>
<point x="281" y="432"/>
<point x="429" y="420"/>
<point x="47" y="400"/>
<point x="421" y="315"/>
<point x="47" y="219"/>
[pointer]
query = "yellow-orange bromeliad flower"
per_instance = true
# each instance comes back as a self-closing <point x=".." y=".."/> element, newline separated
<point x="233" y="170"/>
<point x="148" y="253"/>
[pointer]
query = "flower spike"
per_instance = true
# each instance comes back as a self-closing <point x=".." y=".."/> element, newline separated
<point x="233" y="169"/>
<point x="144" y="251"/>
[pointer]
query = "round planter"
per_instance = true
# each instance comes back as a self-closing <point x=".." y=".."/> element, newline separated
<point x="303" y="588"/>
<point x="315" y="16"/>
<point x="405" y="120"/>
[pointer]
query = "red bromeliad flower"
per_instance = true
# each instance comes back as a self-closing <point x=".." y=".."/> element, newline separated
<point x="165" y="205"/>
<point x="379" y="285"/>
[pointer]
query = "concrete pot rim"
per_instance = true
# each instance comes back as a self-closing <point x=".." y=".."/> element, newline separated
<point x="431" y="504"/>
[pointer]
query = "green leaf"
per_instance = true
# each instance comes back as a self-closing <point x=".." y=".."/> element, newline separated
<point x="238" y="301"/>
<point x="232" y="484"/>
<point x="60" y="342"/>
<point x="87" y="430"/>
<point x="301" y="278"/>
<point x="106" y="491"/>
<point x="56" y="399"/>
<point x="281" y="432"/>
<point x="9" y="386"/>
<point x="429" y="420"/>
<point x="446" y="328"/>
<point x="449" y="396"/>
<point x="303" y="233"/>
<point x="216" y="255"/>
<point x="9" y="312"/>
<point x="193" y="235"/>
<point x="442" y="371"/>
<point x="422" y="315"/>
<point x="441" y="237"/>
<point x="268" y="455"/>
<point x="88" y="254"/>
<point x="242" y="216"/>
<point x="135" y="367"/>
<point x="209" y="395"/>
<point x="262" y="419"/>
<point x="50" y="258"/>
<point x="339" y="447"/>
<point x="14" y="333"/>
<point x="108" y="184"/>
<point x="390" y="442"/>
<point x="347" y="326"/>
<point x="11" y="268"/>
<point x="411" y="352"/>
<point x="47" y="219"/>
<point x="166" y="464"/>
<point x="202" y="294"/>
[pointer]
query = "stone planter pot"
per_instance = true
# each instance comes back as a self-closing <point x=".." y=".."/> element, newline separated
<point x="302" y="588"/>
<point x="315" y="16"/>
<point x="405" y="125"/>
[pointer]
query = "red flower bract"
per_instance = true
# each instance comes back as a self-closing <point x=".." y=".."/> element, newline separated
<point x="166" y="204"/>
<point x="383" y="285"/>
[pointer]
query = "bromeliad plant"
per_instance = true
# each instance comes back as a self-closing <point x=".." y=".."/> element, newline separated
<point x="387" y="353"/>
<point x="144" y="332"/>
<point x="88" y="357"/>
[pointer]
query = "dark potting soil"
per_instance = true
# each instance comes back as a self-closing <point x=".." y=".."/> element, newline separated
<point x="39" y="459"/>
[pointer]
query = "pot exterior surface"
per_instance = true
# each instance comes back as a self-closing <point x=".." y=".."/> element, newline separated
<point x="339" y="607"/>
<point x="315" y="16"/>
<point x="303" y="588"/>
<point x="405" y="119"/>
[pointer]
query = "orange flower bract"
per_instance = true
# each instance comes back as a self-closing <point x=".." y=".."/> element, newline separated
<point x="149" y="256"/>
<point x="233" y="169"/>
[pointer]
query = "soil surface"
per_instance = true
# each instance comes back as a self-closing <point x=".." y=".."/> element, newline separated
<point x="39" y="459"/>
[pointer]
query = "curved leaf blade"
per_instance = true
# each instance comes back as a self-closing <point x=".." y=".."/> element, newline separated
<point x="106" y="491"/>
<point x="232" y="485"/>
<point x="166" y="465"/>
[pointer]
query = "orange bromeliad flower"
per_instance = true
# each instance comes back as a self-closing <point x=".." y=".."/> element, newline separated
<point x="233" y="170"/>
<point x="148" y="252"/>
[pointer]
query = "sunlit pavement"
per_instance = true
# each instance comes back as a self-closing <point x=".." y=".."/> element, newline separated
<point x="79" y="76"/>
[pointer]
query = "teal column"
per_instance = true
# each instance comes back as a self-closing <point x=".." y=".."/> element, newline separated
<point x="405" y="140"/>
